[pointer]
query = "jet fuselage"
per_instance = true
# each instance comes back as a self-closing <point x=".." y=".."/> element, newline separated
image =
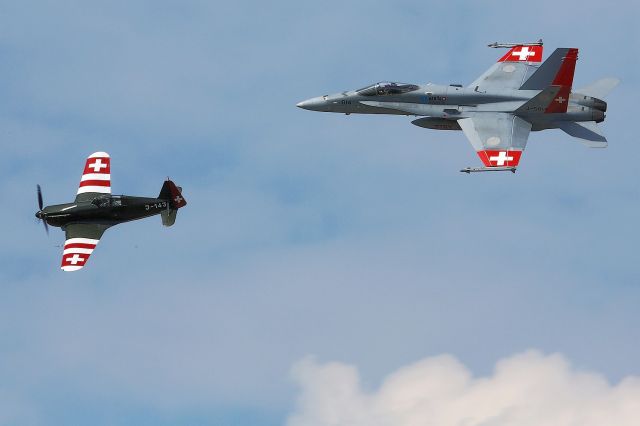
<point x="451" y="103"/>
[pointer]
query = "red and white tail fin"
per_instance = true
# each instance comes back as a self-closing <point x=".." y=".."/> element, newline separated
<point x="173" y="194"/>
<point x="563" y="80"/>
<point x="523" y="54"/>
<point x="96" y="176"/>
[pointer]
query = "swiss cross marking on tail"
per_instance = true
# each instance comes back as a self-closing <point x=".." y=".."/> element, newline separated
<point x="560" y="100"/>
<point x="501" y="158"/>
<point x="177" y="199"/>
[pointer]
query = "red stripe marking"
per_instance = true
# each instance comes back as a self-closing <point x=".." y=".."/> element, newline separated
<point x="80" y="245"/>
<point x="484" y="158"/>
<point x="95" y="183"/>
<point x="567" y="69"/>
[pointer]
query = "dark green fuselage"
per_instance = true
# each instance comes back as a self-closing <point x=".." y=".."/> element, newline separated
<point x="105" y="209"/>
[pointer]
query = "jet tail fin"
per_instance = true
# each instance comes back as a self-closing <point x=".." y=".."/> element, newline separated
<point x="544" y="76"/>
<point x="588" y="133"/>
<point x="599" y="89"/>
<point x="557" y="71"/>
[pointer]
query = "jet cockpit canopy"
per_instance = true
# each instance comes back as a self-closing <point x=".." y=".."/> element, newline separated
<point x="386" y="88"/>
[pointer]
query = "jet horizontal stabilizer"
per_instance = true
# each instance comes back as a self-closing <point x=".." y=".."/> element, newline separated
<point x="470" y="170"/>
<point x="587" y="132"/>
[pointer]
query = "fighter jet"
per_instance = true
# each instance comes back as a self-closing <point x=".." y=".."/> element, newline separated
<point x="95" y="210"/>
<point x="496" y="112"/>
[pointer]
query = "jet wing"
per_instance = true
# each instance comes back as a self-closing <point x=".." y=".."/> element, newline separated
<point x="498" y="138"/>
<point x="96" y="177"/>
<point x="511" y="70"/>
<point x="81" y="240"/>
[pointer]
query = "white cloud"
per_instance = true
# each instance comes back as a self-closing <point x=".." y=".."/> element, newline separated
<point x="525" y="389"/>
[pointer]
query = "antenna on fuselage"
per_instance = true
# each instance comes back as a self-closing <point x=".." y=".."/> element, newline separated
<point x="497" y="45"/>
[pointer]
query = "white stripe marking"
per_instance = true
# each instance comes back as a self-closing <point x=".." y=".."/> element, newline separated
<point x="81" y="241"/>
<point x="95" y="176"/>
<point x="70" y="268"/>
<point x="77" y="250"/>
<point x="99" y="154"/>
<point x="100" y="189"/>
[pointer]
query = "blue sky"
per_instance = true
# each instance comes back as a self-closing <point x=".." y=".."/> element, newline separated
<point x="353" y="239"/>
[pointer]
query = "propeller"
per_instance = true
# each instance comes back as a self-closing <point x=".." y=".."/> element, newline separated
<point x="40" y="214"/>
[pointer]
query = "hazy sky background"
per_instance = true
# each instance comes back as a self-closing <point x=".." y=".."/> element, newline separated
<point x="353" y="239"/>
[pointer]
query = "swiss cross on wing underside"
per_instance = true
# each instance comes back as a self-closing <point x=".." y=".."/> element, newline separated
<point x="75" y="259"/>
<point x="98" y="165"/>
<point x="500" y="158"/>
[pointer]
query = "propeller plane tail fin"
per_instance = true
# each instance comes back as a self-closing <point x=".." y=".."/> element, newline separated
<point x="173" y="194"/>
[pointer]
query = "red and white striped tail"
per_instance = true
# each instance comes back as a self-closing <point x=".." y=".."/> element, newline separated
<point x="76" y="253"/>
<point x="96" y="176"/>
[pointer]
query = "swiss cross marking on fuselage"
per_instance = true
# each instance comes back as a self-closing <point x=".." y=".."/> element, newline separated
<point x="523" y="54"/>
<point x="97" y="166"/>
<point x="501" y="158"/>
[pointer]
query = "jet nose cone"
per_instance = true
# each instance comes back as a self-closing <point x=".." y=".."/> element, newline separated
<point x="305" y="104"/>
<point x="313" y="104"/>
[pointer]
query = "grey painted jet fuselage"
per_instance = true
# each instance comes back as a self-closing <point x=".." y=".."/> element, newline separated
<point x="447" y="104"/>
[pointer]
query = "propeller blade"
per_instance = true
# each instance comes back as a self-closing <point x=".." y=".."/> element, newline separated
<point x="40" y="197"/>
<point x="39" y="214"/>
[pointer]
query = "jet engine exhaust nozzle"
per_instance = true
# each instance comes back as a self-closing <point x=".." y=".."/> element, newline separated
<point x="599" y="104"/>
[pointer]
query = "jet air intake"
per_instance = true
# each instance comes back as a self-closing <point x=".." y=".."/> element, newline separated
<point x="436" y="123"/>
